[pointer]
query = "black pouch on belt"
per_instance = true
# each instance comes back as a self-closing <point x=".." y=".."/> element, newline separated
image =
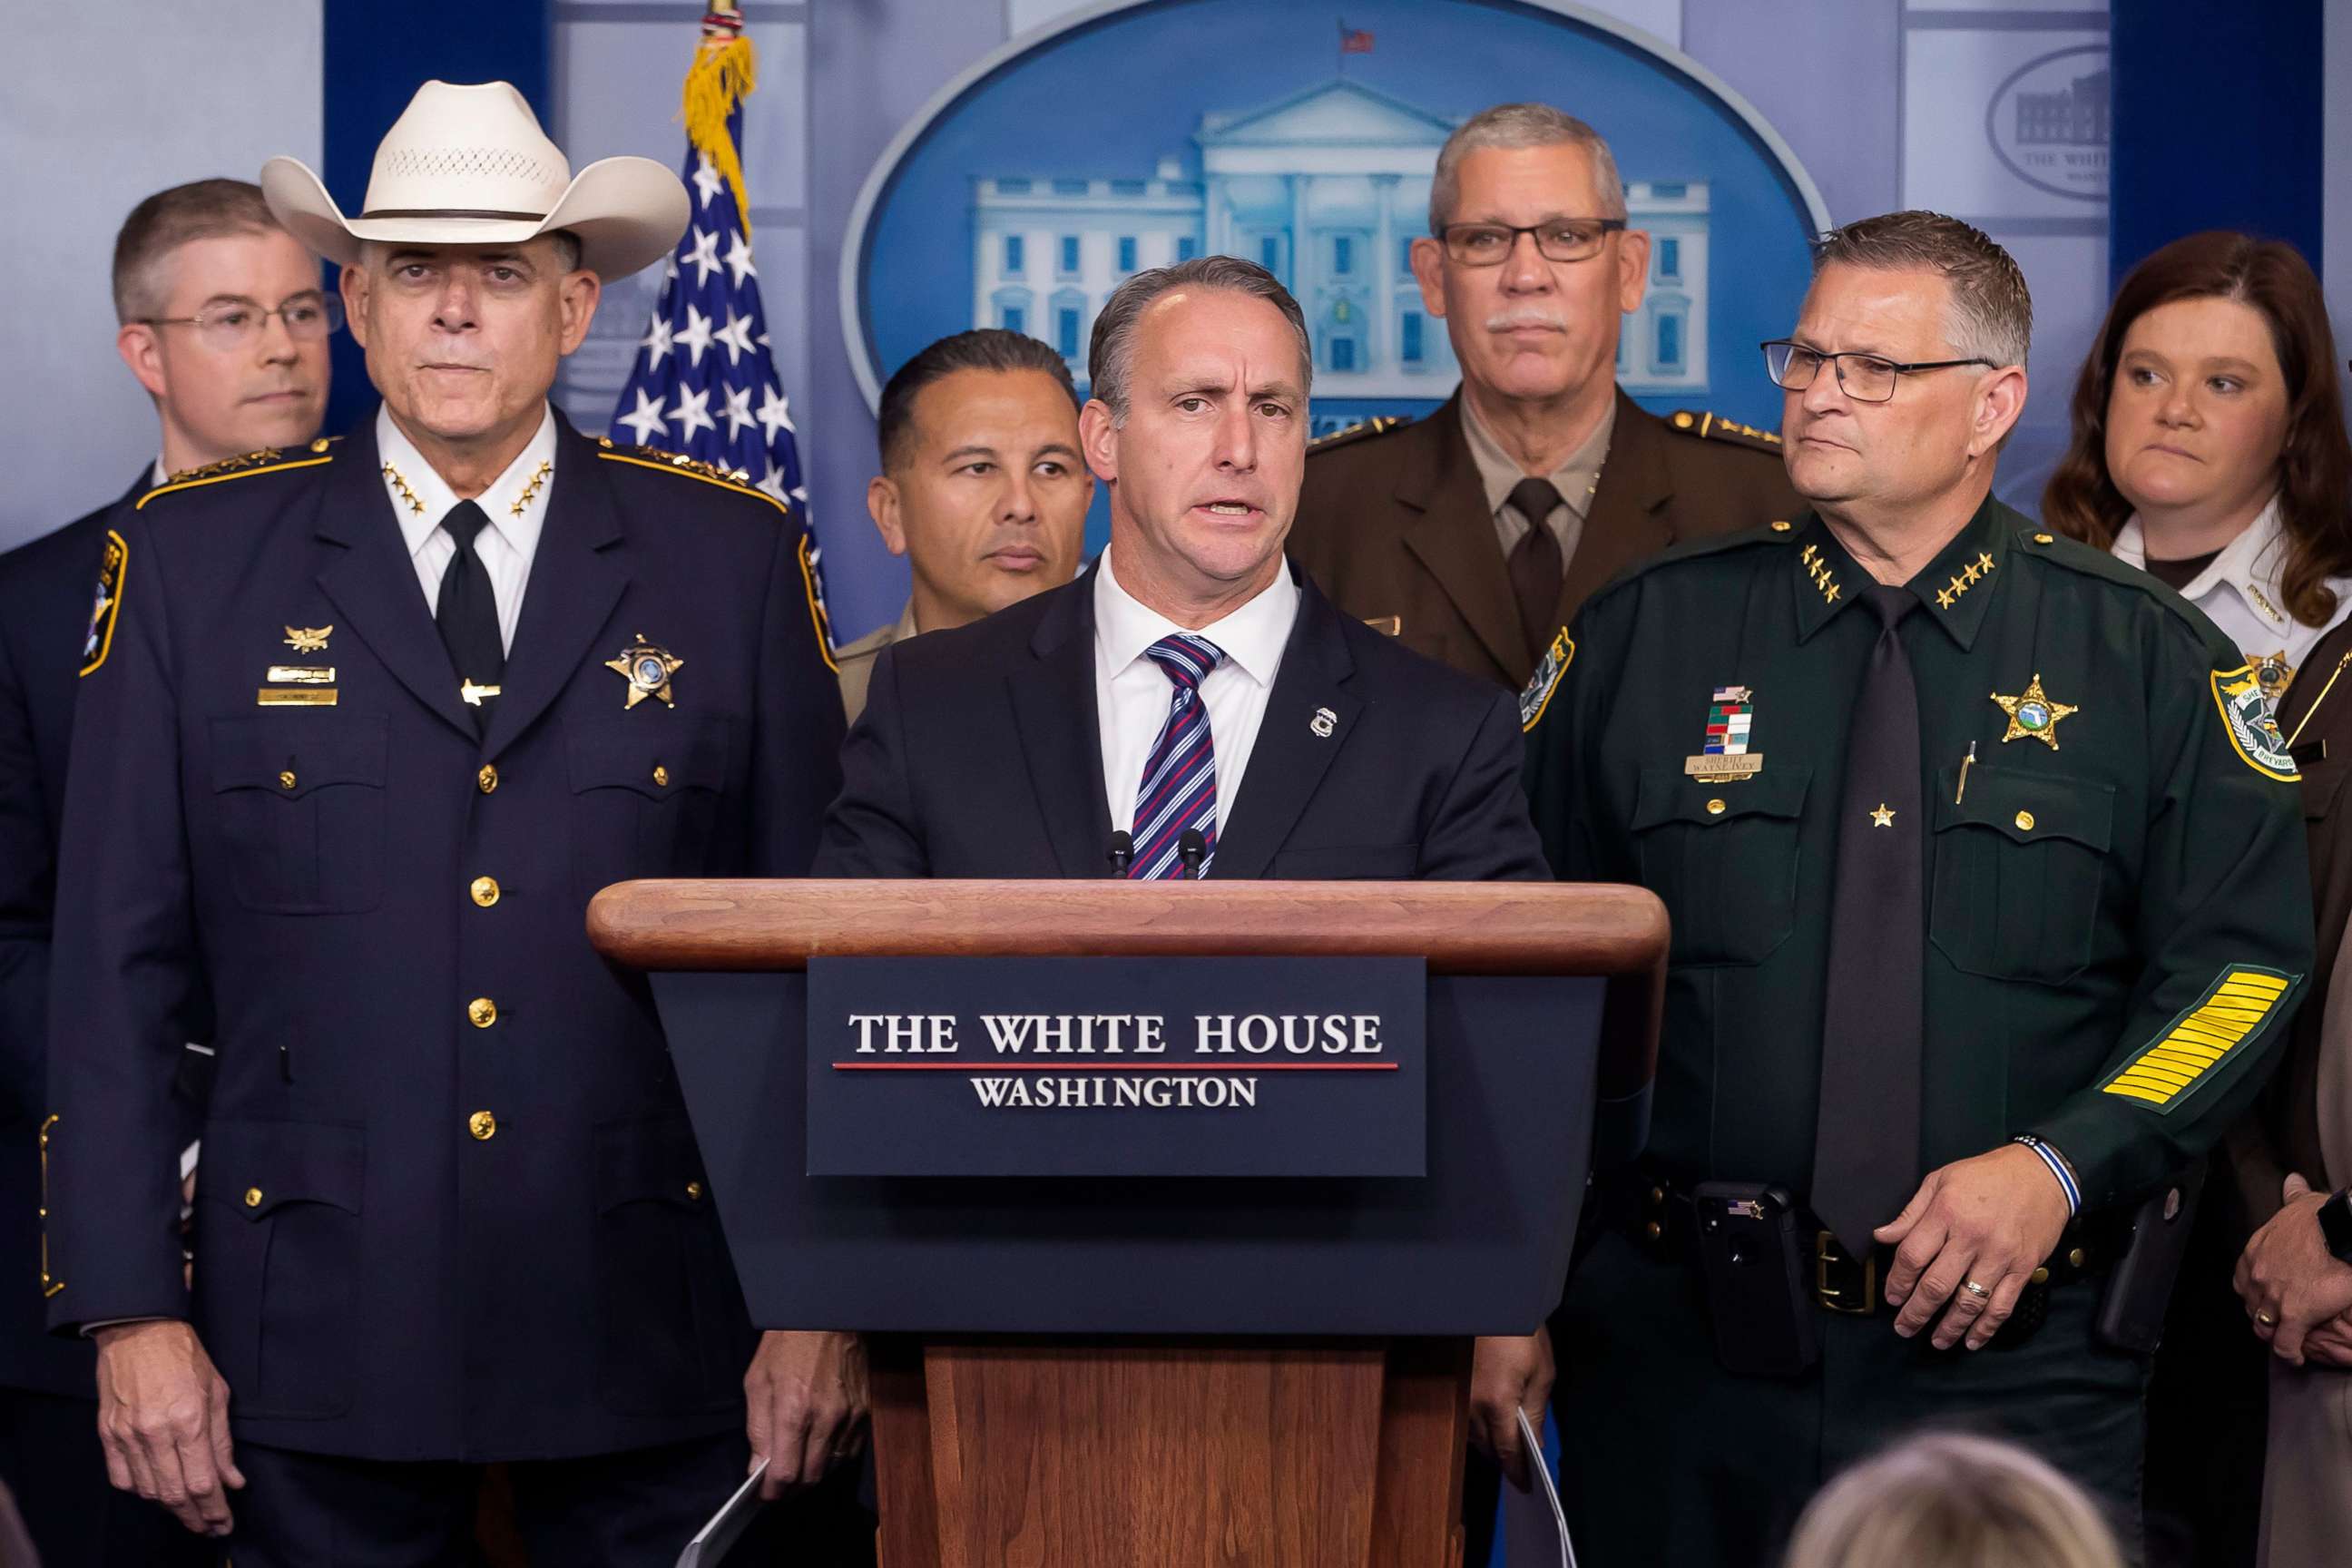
<point x="1753" y="1252"/>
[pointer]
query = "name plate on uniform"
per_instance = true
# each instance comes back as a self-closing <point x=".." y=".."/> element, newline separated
<point x="295" y="697"/>
<point x="1117" y="1067"/>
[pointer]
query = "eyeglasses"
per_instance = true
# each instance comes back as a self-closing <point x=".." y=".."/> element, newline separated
<point x="228" y="325"/>
<point x="1866" y="378"/>
<point x="1557" y="239"/>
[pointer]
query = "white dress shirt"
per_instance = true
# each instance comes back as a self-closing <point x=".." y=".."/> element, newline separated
<point x="516" y="503"/>
<point x="2239" y="590"/>
<point x="1132" y="693"/>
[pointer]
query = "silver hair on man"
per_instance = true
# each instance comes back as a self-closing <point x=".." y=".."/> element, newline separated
<point x="1514" y="126"/>
<point x="1111" y="356"/>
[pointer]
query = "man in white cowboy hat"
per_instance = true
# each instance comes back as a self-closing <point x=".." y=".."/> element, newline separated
<point x="370" y="722"/>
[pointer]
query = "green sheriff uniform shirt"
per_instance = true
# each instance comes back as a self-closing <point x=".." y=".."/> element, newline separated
<point x="2118" y="917"/>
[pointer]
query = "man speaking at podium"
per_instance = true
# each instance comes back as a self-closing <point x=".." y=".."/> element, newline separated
<point x="1117" y="726"/>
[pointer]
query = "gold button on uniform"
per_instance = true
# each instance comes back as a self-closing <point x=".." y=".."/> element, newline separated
<point x="2025" y="822"/>
<point x="2044" y="539"/>
<point x="487" y="780"/>
<point x="253" y="1197"/>
<point x="482" y="1011"/>
<point x="1781" y="525"/>
<point x="1715" y="808"/>
<point x="2075" y="1258"/>
<point x="694" y="1191"/>
<point x="661" y="776"/>
<point x="482" y="1125"/>
<point x="2042" y="1277"/>
<point x="286" y="779"/>
<point x="485" y="890"/>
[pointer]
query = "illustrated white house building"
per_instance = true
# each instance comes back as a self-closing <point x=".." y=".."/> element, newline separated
<point x="1328" y="189"/>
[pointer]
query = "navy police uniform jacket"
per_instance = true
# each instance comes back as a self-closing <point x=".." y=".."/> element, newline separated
<point x="450" y="1206"/>
<point x="44" y="620"/>
<point x="980" y="754"/>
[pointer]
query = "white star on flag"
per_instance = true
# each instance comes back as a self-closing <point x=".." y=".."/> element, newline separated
<point x="704" y="257"/>
<point x="775" y="411"/>
<point x="697" y="336"/>
<point x="730" y="412"/>
<point x="738" y="411"/>
<point x="736" y="335"/>
<point x="693" y="413"/>
<point x="738" y="258"/>
<point x="645" y="419"/>
<point x="656" y="341"/>
<point x="709" y="179"/>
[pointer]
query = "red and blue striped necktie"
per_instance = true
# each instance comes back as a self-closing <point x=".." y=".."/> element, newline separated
<point x="1179" y="778"/>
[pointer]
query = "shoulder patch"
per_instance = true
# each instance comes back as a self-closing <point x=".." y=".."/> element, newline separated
<point x="106" y="604"/>
<point x="283" y="460"/>
<point x="1546" y="679"/>
<point x="1709" y="426"/>
<point x="1354" y="433"/>
<point x="2246" y="715"/>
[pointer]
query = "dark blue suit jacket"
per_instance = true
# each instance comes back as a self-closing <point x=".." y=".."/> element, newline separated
<point x="46" y="589"/>
<point x="979" y="754"/>
<point x="424" y="1230"/>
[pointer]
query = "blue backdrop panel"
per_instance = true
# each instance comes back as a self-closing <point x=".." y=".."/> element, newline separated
<point x="2217" y="123"/>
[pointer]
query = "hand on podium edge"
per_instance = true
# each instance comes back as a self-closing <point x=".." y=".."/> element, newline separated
<point x="163" y="1419"/>
<point x="1509" y="1374"/>
<point x="804" y="1405"/>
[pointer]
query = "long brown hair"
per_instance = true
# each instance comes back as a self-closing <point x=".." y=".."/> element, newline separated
<point x="2316" y="459"/>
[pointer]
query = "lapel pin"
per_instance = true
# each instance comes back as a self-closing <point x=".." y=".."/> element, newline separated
<point x="1324" y="723"/>
<point x="646" y="667"/>
<point x="308" y="639"/>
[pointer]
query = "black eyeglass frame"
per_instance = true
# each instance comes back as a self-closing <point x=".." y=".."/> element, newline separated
<point x="1899" y="367"/>
<point x="1608" y="225"/>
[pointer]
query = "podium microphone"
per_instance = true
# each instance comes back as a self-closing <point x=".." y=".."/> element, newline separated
<point x="1123" y="854"/>
<point x="1191" y="849"/>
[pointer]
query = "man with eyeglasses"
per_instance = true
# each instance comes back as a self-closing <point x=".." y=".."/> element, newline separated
<point x="224" y="323"/>
<point x="1984" y="863"/>
<point x="1473" y="535"/>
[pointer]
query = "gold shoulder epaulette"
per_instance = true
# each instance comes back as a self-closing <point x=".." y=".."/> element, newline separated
<point x="276" y="461"/>
<point x="692" y="468"/>
<point x="1380" y="426"/>
<point x="1709" y="426"/>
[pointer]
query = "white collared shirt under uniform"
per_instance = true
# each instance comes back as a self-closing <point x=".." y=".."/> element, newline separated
<point x="515" y="502"/>
<point x="1132" y="693"/>
<point x="2239" y="591"/>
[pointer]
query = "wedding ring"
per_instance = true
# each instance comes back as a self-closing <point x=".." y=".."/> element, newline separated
<point x="2265" y="1320"/>
<point x="1973" y="1289"/>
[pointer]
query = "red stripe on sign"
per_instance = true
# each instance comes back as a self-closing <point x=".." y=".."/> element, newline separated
<point x="1239" y="1063"/>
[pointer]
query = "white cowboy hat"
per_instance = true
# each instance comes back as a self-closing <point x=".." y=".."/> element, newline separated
<point x="469" y="166"/>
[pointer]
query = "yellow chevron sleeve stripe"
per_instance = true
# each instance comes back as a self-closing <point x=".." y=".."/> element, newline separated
<point x="2235" y="1009"/>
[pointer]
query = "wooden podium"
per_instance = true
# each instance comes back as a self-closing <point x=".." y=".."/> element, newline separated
<point x="1119" y="1425"/>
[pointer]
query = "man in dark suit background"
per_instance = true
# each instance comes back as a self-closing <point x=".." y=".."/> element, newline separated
<point x="370" y="722"/>
<point x="1191" y="705"/>
<point x="223" y="321"/>
<point x="1473" y="536"/>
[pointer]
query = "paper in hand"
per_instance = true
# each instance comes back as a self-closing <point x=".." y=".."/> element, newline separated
<point x="711" y="1543"/>
<point x="1535" y="1528"/>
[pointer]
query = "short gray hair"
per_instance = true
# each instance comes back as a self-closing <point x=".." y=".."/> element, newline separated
<point x="1110" y="355"/>
<point x="1991" y="313"/>
<point x="1514" y="126"/>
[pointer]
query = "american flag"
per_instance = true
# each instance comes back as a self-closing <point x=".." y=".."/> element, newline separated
<point x="1354" y="40"/>
<point x="703" y="383"/>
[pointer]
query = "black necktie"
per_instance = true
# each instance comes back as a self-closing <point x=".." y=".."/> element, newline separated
<point x="1867" y="1146"/>
<point x="467" y="611"/>
<point x="1534" y="564"/>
